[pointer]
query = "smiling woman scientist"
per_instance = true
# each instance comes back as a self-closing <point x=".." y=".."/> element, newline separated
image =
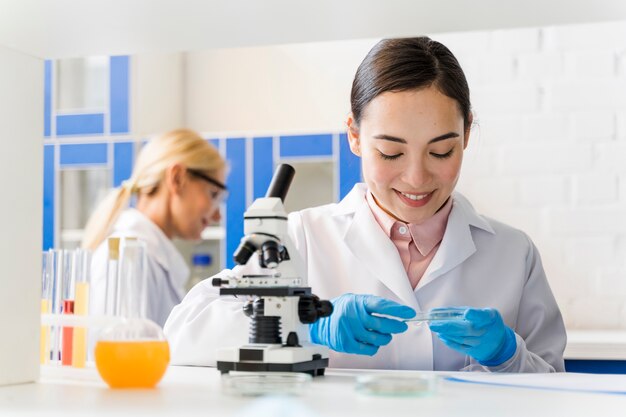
<point x="178" y="182"/>
<point x="407" y="240"/>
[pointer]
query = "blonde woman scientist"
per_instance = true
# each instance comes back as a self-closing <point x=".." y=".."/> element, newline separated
<point x="405" y="241"/>
<point x="178" y="180"/>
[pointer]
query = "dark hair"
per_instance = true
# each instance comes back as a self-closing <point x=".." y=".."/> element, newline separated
<point x="409" y="64"/>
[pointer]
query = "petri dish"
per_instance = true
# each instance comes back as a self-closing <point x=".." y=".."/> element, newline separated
<point x="388" y="385"/>
<point x="254" y="384"/>
<point x="453" y="313"/>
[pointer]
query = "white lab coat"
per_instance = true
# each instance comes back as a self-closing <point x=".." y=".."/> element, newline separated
<point x="167" y="271"/>
<point x="480" y="263"/>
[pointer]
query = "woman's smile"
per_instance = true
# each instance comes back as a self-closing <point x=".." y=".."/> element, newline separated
<point x="414" y="200"/>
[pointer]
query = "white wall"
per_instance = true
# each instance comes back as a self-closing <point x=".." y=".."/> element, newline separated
<point x="291" y="87"/>
<point x="549" y="156"/>
<point x="157" y="101"/>
<point x="21" y="174"/>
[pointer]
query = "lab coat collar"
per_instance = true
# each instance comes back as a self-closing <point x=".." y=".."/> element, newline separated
<point x="470" y="216"/>
<point x="364" y="232"/>
<point x="132" y="222"/>
<point x="372" y="247"/>
<point x="352" y="201"/>
<point x="457" y="244"/>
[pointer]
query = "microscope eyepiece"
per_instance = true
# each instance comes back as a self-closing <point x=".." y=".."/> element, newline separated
<point x="281" y="181"/>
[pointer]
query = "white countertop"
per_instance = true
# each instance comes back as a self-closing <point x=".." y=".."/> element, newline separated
<point x="596" y="344"/>
<point x="192" y="391"/>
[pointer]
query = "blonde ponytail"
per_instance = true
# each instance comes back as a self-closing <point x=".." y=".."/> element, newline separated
<point x="104" y="217"/>
<point x="180" y="146"/>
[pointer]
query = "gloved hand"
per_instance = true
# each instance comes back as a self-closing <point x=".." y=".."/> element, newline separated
<point x="481" y="334"/>
<point x="352" y="328"/>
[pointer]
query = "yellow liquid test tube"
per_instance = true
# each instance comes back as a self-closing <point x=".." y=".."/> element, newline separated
<point x="44" y="338"/>
<point x="81" y="307"/>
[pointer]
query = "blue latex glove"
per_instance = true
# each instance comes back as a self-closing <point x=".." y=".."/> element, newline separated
<point x="481" y="334"/>
<point x="352" y="328"/>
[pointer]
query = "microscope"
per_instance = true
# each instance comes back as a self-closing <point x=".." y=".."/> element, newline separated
<point x="280" y="305"/>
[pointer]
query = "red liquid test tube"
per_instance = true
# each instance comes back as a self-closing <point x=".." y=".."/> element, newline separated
<point x="68" y="335"/>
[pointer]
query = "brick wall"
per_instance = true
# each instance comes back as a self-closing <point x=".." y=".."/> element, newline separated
<point x="548" y="154"/>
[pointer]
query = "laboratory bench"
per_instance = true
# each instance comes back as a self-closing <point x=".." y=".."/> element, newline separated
<point x="596" y="351"/>
<point x="193" y="391"/>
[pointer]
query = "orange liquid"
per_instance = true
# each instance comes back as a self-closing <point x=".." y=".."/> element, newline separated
<point x="44" y="340"/>
<point x="81" y="308"/>
<point x="129" y="364"/>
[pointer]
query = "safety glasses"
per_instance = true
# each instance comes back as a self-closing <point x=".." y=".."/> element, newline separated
<point x="217" y="195"/>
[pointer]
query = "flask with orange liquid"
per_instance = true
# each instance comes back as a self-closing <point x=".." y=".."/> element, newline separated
<point x="133" y="353"/>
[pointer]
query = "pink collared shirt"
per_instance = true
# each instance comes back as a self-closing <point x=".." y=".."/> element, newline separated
<point x="417" y="244"/>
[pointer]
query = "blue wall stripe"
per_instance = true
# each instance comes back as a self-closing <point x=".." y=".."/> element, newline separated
<point x="48" y="196"/>
<point x="123" y="153"/>
<point x="119" y="93"/>
<point x="595" y="366"/>
<point x="349" y="167"/>
<point x="80" y="124"/>
<point x="306" y="145"/>
<point x="236" y="203"/>
<point x="263" y="165"/>
<point x="83" y="154"/>
<point x="47" y="98"/>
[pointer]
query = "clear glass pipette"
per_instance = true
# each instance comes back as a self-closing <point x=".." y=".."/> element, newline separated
<point x="438" y="315"/>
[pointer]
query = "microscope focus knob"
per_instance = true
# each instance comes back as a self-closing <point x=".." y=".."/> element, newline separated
<point x="248" y="309"/>
<point x="311" y="308"/>
<point x="325" y="308"/>
<point x="218" y="282"/>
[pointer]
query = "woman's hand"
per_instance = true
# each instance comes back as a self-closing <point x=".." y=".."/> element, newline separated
<point x="481" y="334"/>
<point x="352" y="328"/>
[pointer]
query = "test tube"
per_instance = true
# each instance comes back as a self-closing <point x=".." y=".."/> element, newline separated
<point x="47" y="283"/>
<point x="62" y="263"/>
<point x="112" y="278"/>
<point x="69" y="286"/>
<point x="82" y="265"/>
<point x="132" y="289"/>
<point x="67" y="335"/>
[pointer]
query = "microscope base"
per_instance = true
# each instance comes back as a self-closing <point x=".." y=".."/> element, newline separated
<point x="311" y="359"/>
<point x="314" y="367"/>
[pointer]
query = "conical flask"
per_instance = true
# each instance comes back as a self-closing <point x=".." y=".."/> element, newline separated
<point x="133" y="353"/>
